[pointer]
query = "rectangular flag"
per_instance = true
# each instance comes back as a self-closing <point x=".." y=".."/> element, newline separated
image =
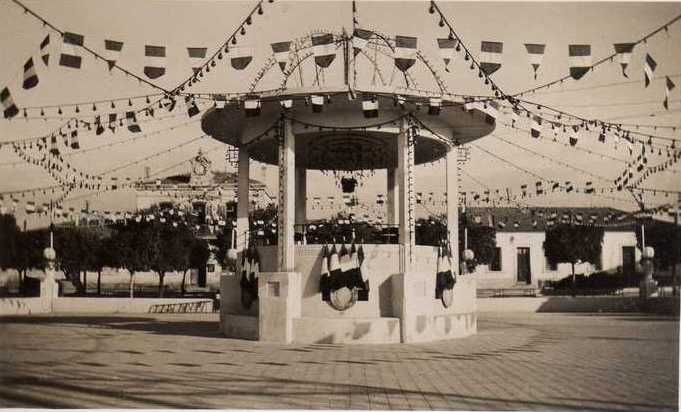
<point x="535" y="53"/>
<point x="112" y="51"/>
<point x="10" y="109"/>
<point x="281" y="52"/>
<point x="196" y="55"/>
<point x="240" y="57"/>
<point x="668" y="87"/>
<point x="624" y="51"/>
<point x="405" y="52"/>
<point x="155" y="57"/>
<point x="574" y="136"/>
<point x="536" y="126"/>
<point x="360" y="38"/>
<point x="132" y="122"/>
<point x="70" y="56"/>
<point x="580" y="60"/>
<point x="192" y="108"/>
<point x="30" y="76"/>
<point x="324" y="49"/>
<point x="490" y="56"/>
<point x="74" y="140"/>
<point x="44" y="50"/>
<point x="99" y="128"/>
<point x="252" y="107"/>
<point x="434" y="106"/>
<point x="447" y="47"/>
<point x="649" y="68"/>
<point x="112" y="121"/>
<point x="317" y="103"/>
<point x="370" y="107"/>
<point x="54" y="148"/>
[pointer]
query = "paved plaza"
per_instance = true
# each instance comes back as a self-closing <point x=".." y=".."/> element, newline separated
<point x="517" y="361"/>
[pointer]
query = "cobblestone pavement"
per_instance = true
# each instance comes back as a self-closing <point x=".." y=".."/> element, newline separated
<point x="517" y="361"/>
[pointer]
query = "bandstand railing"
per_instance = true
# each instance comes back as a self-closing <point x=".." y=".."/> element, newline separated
<point x="334" y="232"/>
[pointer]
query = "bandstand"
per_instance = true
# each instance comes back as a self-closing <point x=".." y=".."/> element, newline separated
<point x="346" y="127"/>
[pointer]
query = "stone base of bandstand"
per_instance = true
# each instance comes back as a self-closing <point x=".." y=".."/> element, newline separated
<point x="401" y="307"/>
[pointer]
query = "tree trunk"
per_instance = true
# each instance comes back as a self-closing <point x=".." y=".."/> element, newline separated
<point x="161" y="277"/>
<point x="574" y="281"/>
<point x="99" y="282"/>
<point x="85" y="282"/>
<point x="184" y="276"/>
<point x="132" y="284"/>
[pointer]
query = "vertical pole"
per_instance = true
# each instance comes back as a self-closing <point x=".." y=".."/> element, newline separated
<point x="243" y="187"/>
<point x="405" y="170"/>
<point x="452" y="186"/>
<point x="675" y="242"/>
<point x="391" y="193"/>
<point x="301" y="203"/>
<point x="286" y="206"/>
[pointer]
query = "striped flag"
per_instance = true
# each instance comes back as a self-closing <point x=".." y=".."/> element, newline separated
<point x="99" y="127"/>
<point x="30" y="76"/>
<point x="112" y="51"/>
<point x="574" y="136"/>
<point x="447" y="47"/>
<point x="539" y="188"/>
<point x="405" y="52"/>
<point x="535" y="53"/>
<point x="580" y="60"/>
<point x="281" y="51"/>
<point x="44" y="50"/>
<point x="360" y="38"/>
<point x="668" y="87"/>
<point x="196" y="56"/>
<point x="155" y="61"/>
<point x="317" y="103"/>
<point x="324" y="49"/>
<point x="74" y="140"/>
<point x="624" y="51"/>
<point x="54" y="149"/>
<point x="252" y="107"/>
<point x="434" y="105"/>
<point x="132" y="122"/>
<point x="10" y="109"/>
<point x="649" y="68"/>
<point x="241" y="57"/>
<point x="370" y="107"/>
<point x="70" y="57"/>
<point x="536" y="126"/>
<point x="192" y="108"/>
<point x="112" y="121"/>
<point x="490" y="56"/>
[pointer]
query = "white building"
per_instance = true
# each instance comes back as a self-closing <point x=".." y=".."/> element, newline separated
<point x="520" y="234"/>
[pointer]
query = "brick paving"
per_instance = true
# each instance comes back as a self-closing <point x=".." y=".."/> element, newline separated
<point x="516" y="361"/>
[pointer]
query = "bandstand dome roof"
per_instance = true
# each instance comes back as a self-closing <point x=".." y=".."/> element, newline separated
<point x="340" y="137"/>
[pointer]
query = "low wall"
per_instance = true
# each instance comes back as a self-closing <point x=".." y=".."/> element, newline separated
<point x="22" y="306"/>
<point x="593" y="304"/>
<point x="118" y="305"/>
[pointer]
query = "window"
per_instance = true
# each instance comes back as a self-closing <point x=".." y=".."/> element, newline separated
<point x="496" y="260"/>
<point x="210" y="268"/>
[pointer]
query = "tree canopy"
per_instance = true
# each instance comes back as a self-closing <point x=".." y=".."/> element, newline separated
<point x="569" y="243"/>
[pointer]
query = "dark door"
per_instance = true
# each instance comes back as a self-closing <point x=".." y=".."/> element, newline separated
<point x="524" y="274"/>
<point x="628" y="259"/>
<point x="201" y="281"/>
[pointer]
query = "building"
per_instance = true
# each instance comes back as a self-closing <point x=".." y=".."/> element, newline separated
<point x="520" y="234"/>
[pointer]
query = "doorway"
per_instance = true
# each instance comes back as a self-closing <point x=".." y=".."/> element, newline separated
<point x="628" y="259"/>
<point x="524" y="271"/>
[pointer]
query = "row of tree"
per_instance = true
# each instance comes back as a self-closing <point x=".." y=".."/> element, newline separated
<point x="137" y="247"/>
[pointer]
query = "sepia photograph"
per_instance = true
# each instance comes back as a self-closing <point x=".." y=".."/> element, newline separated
<point x="340" y="205"/>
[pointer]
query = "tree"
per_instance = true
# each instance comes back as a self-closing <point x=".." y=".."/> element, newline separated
<point x="664" y="238"/>
<point x="568" y="244"/>
<point x="171" y="251"/>
<point x="73" y="254"/>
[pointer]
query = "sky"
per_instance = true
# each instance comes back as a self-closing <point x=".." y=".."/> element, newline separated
<point x="603" y="93"/>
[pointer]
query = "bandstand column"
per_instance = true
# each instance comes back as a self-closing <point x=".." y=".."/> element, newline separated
<point x="287" y="197"/>
<point x="392" y="191"/>
<point x="242" y="200"/>
<point x="405" y="177"/>
<point x="452" y="187"/>
<point x="301" y="198"/>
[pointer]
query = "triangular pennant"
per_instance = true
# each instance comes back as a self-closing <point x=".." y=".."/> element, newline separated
<point x="624" y="51"/>
<point x="405" y="52"/>
<point x="490" y="56"/>
<point x="535" y="54"/>
<point x="155" y="58"/>
<point x="240" y="57"/>
<point x="281" y="52"/>
<point x="324" y="49"/>
<point x="112" y="51"/>
<point x="580" y="60"/>
<point x="196" y="55"/>
<point x="447" y="47"/>
<point x="10" y="109"/>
